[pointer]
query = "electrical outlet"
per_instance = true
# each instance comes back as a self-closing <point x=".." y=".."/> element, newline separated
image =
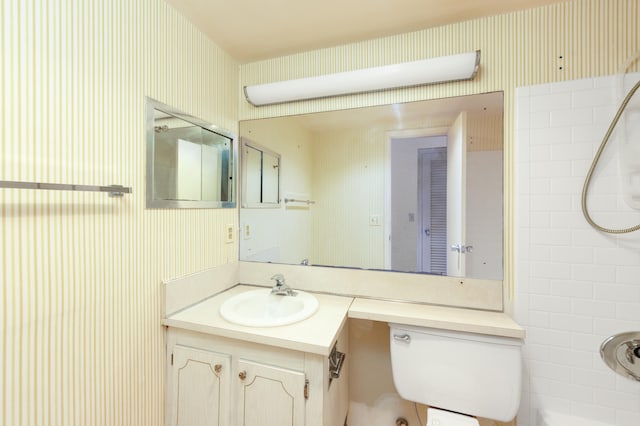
<point x="374" y="220"/>
<point x="247" y="232"/>
<point x="229" y="233"/>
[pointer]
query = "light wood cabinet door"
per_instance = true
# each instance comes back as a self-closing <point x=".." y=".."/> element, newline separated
<point x="199" y="387"/>
<point x="270" y="396"/>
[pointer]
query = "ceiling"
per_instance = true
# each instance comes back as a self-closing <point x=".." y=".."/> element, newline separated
<point x="399" y="115"/>
<point x="252" y="30"/>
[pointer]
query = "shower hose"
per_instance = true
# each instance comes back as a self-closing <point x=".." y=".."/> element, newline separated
<point x="596" y="159"/>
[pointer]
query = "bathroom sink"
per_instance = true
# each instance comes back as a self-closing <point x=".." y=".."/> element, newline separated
<point x="260" y="308"/>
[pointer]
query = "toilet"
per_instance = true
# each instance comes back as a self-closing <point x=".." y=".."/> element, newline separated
<point x="459" y="375"/>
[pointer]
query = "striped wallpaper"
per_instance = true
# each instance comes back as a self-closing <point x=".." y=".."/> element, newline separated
<point x="564" y="41"/>
<point x="81" y="342"/>
<point x="80" y="273"/>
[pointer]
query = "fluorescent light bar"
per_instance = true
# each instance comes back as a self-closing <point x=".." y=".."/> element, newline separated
<point x="463" y="66"/>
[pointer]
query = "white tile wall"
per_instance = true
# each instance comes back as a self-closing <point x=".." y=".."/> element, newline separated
<point x="575" y="286"/>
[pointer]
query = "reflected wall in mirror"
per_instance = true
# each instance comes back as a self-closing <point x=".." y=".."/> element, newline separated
<point x="413" y="187"/>
<point x="260" y="176"/>
<point x="190" y="162"/>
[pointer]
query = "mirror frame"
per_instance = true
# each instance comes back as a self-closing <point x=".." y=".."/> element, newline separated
<point x="150" y="106"/>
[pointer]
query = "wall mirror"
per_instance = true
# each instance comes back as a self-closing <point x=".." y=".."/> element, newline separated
<point x="414" y="187"/>
<point x="260" y="176"/>
<point x="190" y="163"/>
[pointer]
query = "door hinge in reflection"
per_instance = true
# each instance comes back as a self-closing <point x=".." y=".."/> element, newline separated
<point x="306" y="388"/>
<point x="171" y="358"/>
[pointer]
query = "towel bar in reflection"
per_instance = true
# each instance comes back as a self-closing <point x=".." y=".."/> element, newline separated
<point x="294" y="200"/>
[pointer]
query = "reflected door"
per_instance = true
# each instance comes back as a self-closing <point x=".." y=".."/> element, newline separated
<point x="456" y="195"/>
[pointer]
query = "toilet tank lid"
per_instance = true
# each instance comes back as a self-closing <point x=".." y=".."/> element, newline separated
<point x="454" y="334"/>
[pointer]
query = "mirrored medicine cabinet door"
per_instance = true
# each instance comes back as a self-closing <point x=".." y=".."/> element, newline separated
<point x="260" y="176"/>
<point x="190" y="162"/>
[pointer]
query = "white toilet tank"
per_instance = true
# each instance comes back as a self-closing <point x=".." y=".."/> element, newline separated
<point x="474" y="374"/>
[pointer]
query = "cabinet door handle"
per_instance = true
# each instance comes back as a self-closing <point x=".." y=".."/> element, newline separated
<point x="242" y="375"/>
<point x="217" y="368"/>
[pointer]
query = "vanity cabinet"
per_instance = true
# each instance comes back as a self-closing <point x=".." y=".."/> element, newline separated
<point x="219" y="381"/>
<point x="199" y="383"/>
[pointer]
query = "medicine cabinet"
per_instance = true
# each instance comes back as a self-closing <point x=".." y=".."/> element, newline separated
<point x="190" y="162"/>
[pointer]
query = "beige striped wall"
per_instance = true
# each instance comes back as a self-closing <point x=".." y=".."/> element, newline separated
<point x="81" y="342"/>
<point x="564" y="41"/>
<point x="80" y="273"/>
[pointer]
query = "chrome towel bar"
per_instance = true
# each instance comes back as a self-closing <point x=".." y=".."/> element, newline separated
<point x="113" y="190"/>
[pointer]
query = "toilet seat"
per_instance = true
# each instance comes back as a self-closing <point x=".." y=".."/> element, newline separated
<point x="436" y="417"/>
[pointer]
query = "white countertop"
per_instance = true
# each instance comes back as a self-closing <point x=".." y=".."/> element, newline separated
<point x="314" y="335"/>
<point x="445" y="318"/>
<point x="317" y="334"/>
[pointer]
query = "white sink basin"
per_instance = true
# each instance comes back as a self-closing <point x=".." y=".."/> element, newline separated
<point x="260" y="308"/>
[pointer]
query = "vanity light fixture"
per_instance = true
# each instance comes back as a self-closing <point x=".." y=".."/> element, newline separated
<point x="463" y="66"/>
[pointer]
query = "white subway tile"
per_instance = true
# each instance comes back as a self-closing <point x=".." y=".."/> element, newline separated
<point x="550" y="102"/>
<point x="551" y="169"/>
<point x="617" y="292"/>
<point x="617" y="400"/>
<point x="628" y="275"/>
<point x="620" y="256"/>
<point x="613" y="326"/>
<point x="604" y="115"/>
<point x="628" y="312"/>
<point x="551" y="270"/>
<point x="573" y="151"/>
<point x="571" y="117"/>
<point x="594" y="273"/>
<point x="579" y="323"/>
<point x="539" y="286"/>
<point x="590" y="238"/>
<point x="590" y="377"/>
<point x="626" y="384"/>
<point x="561" y="389"/>
<point x="586" y="342"/>
<point x="540" y="219"/>
<point x="538" y="120"/>
<point x="570" y="219"/>
<point x="547" y="136"/>
<point x="534" y="351"/>
<point x="571" y="358"/>
<point x="573" y="255"/>
<point x="550" y="203"/>
<point x="540" y="153"/>
<point x="588" y="134"/>
<point x="550" y="303"/>
<point x="550" y="370"/>
<point x="539" y="319"/>
<point x="592" y="98"/>
<point x="573" y="289"/>
<point x="594" y="308"/>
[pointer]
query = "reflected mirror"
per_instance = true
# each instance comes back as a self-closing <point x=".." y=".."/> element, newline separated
<point x="414" y="187"/>
<point x="189" y="161"/>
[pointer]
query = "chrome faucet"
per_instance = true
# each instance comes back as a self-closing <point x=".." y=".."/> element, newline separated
<point x="281" y="288"/>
